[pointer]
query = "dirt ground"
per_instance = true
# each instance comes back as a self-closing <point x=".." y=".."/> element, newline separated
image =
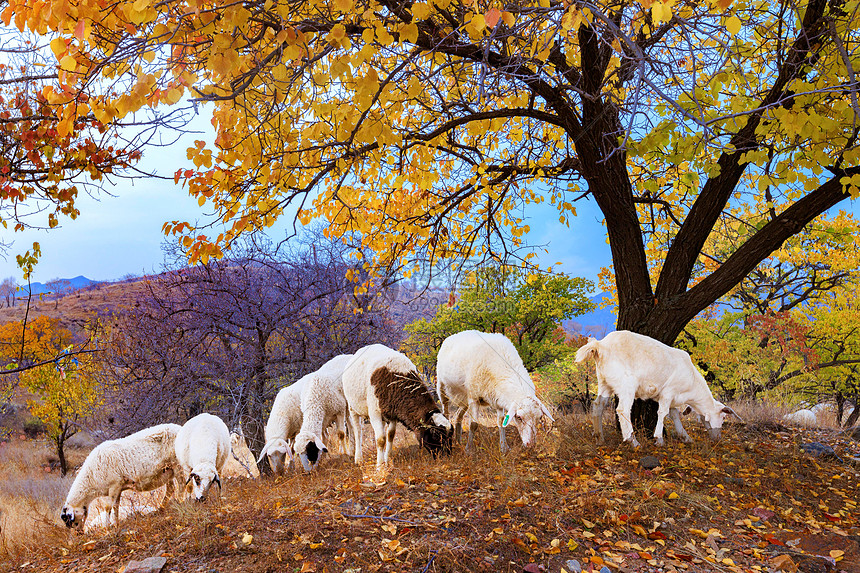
<point x="750" y="502"/>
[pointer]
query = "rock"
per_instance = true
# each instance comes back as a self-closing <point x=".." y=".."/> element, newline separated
<point x="605" y="569"/>
<point x="533" y="568"/>
<point x="573" y="566"/>
<point x="819" y="450"/>
<point x="783" y="563"/>
<point x="649" y="462"/>
<point x="148" y="565"/>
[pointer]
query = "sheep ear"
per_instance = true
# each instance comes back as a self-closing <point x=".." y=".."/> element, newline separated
<point x="729" y="412"/>
<point x="546" y="412"/>
<point x="190" y="477"/>
<point x="263" y="453"/>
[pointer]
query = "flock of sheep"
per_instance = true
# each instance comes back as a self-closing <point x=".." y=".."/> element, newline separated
<point x="474" y="370"/>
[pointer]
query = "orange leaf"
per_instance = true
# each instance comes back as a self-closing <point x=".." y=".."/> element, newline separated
<point x="492" y="17"/>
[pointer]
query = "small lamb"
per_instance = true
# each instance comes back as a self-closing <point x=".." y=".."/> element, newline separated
<point x="382" y="384"/>
<point x="477" y="369"/>
<point x="202" y="449"/>
<point x="323" y="403"/>
<point x="284" y="423"/>
<point x="631" y="366"/>
<point x="142" y="461"/>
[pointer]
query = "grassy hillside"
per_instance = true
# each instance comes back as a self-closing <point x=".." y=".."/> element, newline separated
<point x="737" y="505"/>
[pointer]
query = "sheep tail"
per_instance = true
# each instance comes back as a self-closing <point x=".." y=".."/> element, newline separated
<point x="587" y="350"/>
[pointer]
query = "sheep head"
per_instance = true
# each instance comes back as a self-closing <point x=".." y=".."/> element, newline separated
<point x="526" y="414"/>
<point x="277" y="451"/>
<point x="436" y="436"/>
<point x="714" y="418"/>
<point x="310" y="448"/>
<point x="201" y="480"/>
<point x="74" y="516"/>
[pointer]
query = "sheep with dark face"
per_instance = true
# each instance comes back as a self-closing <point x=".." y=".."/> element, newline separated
<point x="323" y="404"/>
<point x="383" y="385"/>
<point x="202" y="449"/>
<point x="142" y="461"/>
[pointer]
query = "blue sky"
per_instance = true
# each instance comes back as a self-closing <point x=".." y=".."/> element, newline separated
<point x="121" y="235"/>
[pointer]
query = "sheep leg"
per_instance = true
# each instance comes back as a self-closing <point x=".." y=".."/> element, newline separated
<point x="503" y="444"/>
<point x="473" y="425"/>
<point x="662" y="410"/>
<point x="679" y="428"/>
<point x="355" y="435"/>
<point x="458" y="424"/>
<point x="597" y="415"/>
<point x="390" y="431"/>
<point x="169" y="489"/>
<point x="114" y="495"/>
<point x="380" y="434"/>
<point x="625" y="404"/>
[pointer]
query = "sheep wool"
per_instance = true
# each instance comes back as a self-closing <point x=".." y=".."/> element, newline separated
<point x="285" y="421"/>
<point x="631" y="365"/>
<point x="142" y="461"/>
<point x="202" y="449"/>
<point x="322" y="404"/>
<point x="474" y="369"/>
<point x="383" y="385"/>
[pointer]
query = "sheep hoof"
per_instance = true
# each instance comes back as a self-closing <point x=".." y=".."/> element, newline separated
<point x="660" y="441"/>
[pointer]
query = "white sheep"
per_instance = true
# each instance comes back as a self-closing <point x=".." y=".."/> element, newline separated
<point x="142" y="461"/>
<point x="284" y="423"/>
<point x="631" y="366"/>
<point x="202" y="449"/>
<point x="803" y="417"/>
<point x="322" y="403"/>
<point x="383" y="385"/>
<point x="475" y="369"/>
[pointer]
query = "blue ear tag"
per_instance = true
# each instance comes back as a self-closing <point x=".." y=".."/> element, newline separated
<point x="506" y="421"/>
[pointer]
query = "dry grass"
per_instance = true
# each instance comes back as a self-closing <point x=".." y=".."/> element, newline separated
<point x="567" y="498"/>
<point x="30" y="494"/>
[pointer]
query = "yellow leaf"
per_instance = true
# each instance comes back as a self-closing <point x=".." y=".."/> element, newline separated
<point x="508" y="18"/>
<point x="733" y="25"/>
<point x="673" y="495"/>
<point x="68" y="63"/>
<point x="247" y="538"/>
<point x="478" y="22"/>
<point x="409" y="33"/>
<point x="421" y="10"/>
<point x="58" y="46"/>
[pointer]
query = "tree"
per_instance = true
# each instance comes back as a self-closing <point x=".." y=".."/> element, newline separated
<point x="792" y="319"/>
<point x="8" y="288"/>
<point x="48" y="153"/>
<point x="59" y="288"/>
<point x="66" y="395"/>
<point x="529" y="309"/>
<point x="227" y="335"/>
<point x="434" y="124"/>
<point x="39" y="355"/>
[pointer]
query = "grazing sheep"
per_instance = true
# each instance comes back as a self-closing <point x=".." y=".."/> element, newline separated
<point x="382" y="384"/>
<point x="284" y="423"/>
<point x="202" y="449"/>
<point x="631" y="366"/>
<point x="323" y="403"/>
<point x="477" y="369"/>
<point x="803" y="417"/>
<point x="142" y="461"/>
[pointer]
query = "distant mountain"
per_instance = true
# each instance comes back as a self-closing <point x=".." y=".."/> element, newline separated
<point x="70" y="285"/>
<point x="597" y="323"/>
